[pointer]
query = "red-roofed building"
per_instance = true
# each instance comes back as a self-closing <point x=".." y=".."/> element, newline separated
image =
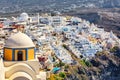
<point x="18" y="27"/>
<point x="1" y="25"/>
<point x="42" y="59"/>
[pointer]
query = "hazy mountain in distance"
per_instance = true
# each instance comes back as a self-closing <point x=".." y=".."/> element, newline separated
<point x="28" y="5"/>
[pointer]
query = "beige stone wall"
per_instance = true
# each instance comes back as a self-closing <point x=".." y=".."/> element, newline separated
<point x="2" y="71"/>
<point x="31" y="68"/>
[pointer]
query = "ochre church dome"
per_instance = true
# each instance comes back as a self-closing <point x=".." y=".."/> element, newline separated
<point x="19" y="40"/>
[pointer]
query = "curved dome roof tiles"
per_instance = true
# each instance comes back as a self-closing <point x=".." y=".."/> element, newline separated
<point x="19" y="40"/>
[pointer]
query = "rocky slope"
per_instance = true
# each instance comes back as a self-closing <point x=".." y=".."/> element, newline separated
<point x="104" y="66"/>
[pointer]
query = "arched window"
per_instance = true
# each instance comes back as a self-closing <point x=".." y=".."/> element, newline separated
<point x="20" y="56"/>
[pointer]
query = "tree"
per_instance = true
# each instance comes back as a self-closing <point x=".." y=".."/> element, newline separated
<point x="61" y="63"/>
<point x="114" y="49"/>
<point x="66" y="66"/>
<point x="88" y="63"/>
<point x="62" y="74"/>
<point x="81" y="56"/>
<point x="81" y="70"/>
<point x="53" y="59"/>
<point x="84" y="77"/>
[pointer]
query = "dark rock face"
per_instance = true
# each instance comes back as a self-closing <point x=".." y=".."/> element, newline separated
<point x="105" y="66"/>
<point x="92" y="17"/>
<point x="109" y="66"/>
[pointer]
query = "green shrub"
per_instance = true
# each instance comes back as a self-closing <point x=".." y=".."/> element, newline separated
<point x="66" y="66"/>
<point x="114" y="49"/>
<point x="85" y="63"/>
<point x="84" y="77"/>
<point x="88" y="63"/>
<point x="82" y="62"/>
<point x="62" y="75"/>
<point x="61" y="63"/>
